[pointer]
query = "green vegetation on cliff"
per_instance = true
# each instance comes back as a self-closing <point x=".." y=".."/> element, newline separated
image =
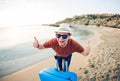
<point x="107" y="20"/>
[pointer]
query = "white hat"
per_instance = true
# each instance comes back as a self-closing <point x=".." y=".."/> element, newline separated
<point x="64" y="27"/>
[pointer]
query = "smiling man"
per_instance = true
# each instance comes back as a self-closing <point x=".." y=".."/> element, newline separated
<point x="63" y="45"/>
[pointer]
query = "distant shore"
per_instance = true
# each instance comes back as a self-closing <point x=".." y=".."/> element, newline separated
<point x="104" y="20"/>
<point x="101" y="64"/>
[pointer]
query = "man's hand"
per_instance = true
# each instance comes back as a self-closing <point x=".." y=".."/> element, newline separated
<point x="36" y="43"/>
<point x="87" y="48"/>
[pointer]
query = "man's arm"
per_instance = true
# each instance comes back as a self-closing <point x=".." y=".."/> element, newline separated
<point x="37" y="45"/>
<point x="86" y="49"/>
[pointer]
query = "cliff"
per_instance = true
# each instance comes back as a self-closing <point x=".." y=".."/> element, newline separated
<point x="106" y="20"/>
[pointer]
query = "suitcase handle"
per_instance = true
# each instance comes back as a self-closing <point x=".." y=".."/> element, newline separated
<point x="65" y="63"/>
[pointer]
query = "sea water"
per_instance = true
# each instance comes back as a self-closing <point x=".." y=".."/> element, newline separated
<point x="16" y="45"/>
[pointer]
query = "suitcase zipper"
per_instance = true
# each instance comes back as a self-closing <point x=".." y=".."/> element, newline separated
<point x="69" y="79"/>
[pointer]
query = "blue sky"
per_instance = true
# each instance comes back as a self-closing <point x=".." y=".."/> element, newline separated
<point x="27" y="12"/>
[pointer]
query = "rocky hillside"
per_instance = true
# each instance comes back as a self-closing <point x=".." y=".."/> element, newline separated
<point x="107" y="20"/>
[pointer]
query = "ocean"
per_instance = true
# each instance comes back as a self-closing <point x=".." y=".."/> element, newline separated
<point x="16" y="45"/>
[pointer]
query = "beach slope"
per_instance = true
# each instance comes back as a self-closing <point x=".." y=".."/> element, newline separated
<point x="102" y="63"/>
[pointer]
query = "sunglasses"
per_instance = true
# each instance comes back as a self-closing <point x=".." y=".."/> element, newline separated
<point x="63" y="36"/>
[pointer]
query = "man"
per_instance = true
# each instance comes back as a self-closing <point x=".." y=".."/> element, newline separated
<point x="63" y="45"/>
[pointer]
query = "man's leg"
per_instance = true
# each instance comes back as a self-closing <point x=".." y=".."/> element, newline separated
<point x="68" y="59"/>
<point x="59" y="61"/>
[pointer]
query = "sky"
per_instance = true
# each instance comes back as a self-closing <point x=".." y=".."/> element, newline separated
<point x="33" y="12"/>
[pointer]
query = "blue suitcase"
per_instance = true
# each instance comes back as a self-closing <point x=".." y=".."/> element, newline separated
<point x="53" y="74"/>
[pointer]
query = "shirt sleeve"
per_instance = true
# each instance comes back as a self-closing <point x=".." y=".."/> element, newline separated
<point x="78" y="47"/>
<point x="49" y="43"/>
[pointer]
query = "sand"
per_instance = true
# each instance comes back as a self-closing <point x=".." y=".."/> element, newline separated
<point x="101" y="64"/>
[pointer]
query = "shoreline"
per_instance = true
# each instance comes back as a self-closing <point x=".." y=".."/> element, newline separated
<point x="78" y="62"/>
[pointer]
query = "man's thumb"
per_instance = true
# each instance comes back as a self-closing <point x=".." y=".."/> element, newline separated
<point x="35" y="39"/>
<point x="88" y="42"/>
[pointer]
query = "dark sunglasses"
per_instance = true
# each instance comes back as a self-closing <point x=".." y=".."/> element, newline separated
<point x="63" y="36"/>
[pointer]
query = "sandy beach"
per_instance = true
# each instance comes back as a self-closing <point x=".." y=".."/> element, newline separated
<point x="102" y="64"/>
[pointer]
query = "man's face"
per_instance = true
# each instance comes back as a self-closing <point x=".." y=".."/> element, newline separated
<point x="62" y="38"/>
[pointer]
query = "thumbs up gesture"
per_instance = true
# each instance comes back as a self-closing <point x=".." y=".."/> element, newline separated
<point x="36" y="43"/>
<point x="87" y="48"/>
